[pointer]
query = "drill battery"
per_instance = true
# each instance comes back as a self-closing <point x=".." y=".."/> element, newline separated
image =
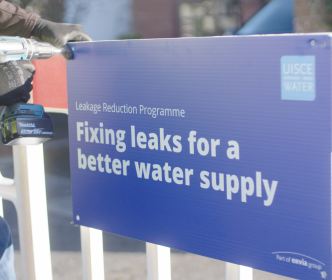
<point x="25" y="124"/>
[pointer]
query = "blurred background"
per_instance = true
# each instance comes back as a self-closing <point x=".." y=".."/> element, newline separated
<point x="141" y="19"/>
<point x="133" y="19"/>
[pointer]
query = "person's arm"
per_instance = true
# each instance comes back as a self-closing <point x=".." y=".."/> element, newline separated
<point x="15" y="21"/>
<point x="16" y="77"/>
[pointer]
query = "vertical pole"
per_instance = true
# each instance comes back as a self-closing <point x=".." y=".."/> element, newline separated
<point x="32" y="212"/>
<point x="238" y="272"/>
<point x="158" y="260"/>
<point x="232" y="271"/>
<point x="246" y="273"/>
<point x="92" y="254"/>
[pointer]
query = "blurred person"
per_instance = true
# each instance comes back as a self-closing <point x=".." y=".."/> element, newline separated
<point x="16" y="83"/>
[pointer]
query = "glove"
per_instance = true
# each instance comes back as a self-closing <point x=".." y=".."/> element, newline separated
<point x="15" y="82"/>
<point x="58" y="34"/>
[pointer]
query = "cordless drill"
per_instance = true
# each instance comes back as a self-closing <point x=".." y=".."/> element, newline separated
<point x="21" y="123"/>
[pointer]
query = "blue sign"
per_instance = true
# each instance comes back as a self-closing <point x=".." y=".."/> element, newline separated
<point x="215" y="146"/>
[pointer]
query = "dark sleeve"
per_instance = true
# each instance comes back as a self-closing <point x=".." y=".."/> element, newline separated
<point x="5" y="236"/>
<point x="15" y="21"/>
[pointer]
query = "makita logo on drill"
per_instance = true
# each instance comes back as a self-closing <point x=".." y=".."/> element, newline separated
<point x="32" y="131"/>
<point x="27" y="125"/>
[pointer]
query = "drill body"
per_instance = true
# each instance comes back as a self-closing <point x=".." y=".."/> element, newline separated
<point x="25" y="124"/>
<point x="17" y="48"/>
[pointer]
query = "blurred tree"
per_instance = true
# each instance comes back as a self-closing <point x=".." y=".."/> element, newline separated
<point x="54" y="10"/>
<point x="208" y="17"/>
<point x="129" y="36"/>
<point x="216" y="17"/>
<point x="313" y="15"/>
<point x="328" y="13"/>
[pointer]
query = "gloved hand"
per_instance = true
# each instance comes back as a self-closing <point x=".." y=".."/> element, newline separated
<point x="58" y="34"/>
<point x="15" y="82"/>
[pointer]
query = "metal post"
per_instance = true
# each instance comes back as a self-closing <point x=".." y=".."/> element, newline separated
<point x="92" y="254"/>
<point x="238" y="272"/>
<point x="158" y="260"/>
<point x="32" y="212"/>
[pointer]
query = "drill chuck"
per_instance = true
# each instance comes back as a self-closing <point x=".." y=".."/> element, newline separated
<point x="39" y="50"/>
<point x="17" y="48"/>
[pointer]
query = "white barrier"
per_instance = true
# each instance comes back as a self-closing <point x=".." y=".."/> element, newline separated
<point x="238" y="272"/>
<point x="92" y="254"/>
<point x="28" y="194"/>
<point x="158" y="259"/>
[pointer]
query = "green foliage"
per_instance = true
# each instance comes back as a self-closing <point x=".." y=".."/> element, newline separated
<point x="328" y="11"/>
<point x="129" y="36"/>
